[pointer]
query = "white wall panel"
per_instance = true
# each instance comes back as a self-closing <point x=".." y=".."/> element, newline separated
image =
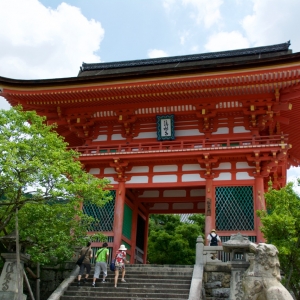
<point x="197" y="193"/>
<point x="139" y="169"/>
<point x="162" y="206"/>
<point x="164" y="178"/>
<point x="166" y="168"/>
<point x="191" y="167"/>
<point x="183" y="206"/>
<point x="102" y="137"/>
<point x="109" y="171"/>
<point x="138" y="179"/>
<point x="174" y="193"/>
<point x="224" y="176"/>
<point x="191" y="178"/>
<point x="149" y="194"/>
<point x="243" y="175"/>
<point x="223" y="166"/>
<point x="94" y="171"/>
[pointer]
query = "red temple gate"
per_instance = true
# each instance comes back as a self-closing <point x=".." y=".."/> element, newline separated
<point x="200" y="133"/>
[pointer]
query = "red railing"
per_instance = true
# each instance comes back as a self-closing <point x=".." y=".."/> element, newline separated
<point x="184" y="145"/>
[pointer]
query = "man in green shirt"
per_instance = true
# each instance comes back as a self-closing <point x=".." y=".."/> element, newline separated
<point x="101" y="263"/>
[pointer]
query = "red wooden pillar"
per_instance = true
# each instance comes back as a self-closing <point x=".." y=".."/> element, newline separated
<point x="259" y="203"/>
<point x="133" y="231"/>
<point x="119" y="215"/>
<point x="209" y="207"/>
<point x="146" y="239"/>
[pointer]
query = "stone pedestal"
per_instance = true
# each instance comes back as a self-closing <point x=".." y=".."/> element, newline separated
<point x="8" y="278"/>
<point x="238" y="269"/>
<point x="238" y="246"/>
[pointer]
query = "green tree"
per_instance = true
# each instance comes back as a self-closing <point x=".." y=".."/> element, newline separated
<point x="281" y="227"/>
<point x="46" y="184"/>
<point x="172" y="241"/>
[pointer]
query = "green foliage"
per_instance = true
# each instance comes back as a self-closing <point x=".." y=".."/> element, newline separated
<point x="281" y="227"/>
<point x="46" y="183"/>
<point x="172" y="241"/>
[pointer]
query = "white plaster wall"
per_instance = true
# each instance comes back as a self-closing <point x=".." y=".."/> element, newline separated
<point x="109" y="171"/>
<point x="164" y="178"/>
<point x="117" y="137"/>
<point x="139" y="169"/>
<point x="224" y="166"/>
<point x="188" y="132"/>
<point x="183" y="206"/>
<point x="191" y="178"/>
<point x="243" y="175"/>
<point x="222" y="130"/>
<point x="94" y="171"/>
<point x="147" y="135"/>
<point x="167" y="168"/>
<point x="224" y="176"/>
<point x="243" y="165"/>
<point x="138" y="179"/>
<point x="197" y="192"/>
<point x="149" y="194"/>
<point x="240" y="129"/>
<point x="163" y="206"/>
<point x="174" y="193"/>
<point x="102" y="137"/>
<point x="191" y="167"/>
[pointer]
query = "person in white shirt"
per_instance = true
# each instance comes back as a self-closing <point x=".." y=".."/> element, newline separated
<point x="213" y="239"/>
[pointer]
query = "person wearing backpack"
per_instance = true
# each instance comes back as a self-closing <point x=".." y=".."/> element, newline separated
<point x="101" y="263"/>
<point x="213" y="239"/>
<point x="87" y="253"/>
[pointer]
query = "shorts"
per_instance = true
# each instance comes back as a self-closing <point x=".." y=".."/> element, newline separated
<point x="85" y="266"/>
<point x="119" y="266"/>
<point x="100" y="265"/>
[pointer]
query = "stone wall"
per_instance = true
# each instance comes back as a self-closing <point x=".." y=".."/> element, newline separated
<point x="216" y="281"/>
<point x="51" y="277"/>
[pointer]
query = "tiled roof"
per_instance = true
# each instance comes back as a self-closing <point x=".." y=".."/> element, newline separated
<point x="186" y="58"/>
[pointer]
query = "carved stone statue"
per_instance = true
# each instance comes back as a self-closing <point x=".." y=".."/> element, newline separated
<point x="262" y="279"/>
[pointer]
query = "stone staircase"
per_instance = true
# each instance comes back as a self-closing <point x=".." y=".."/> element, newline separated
<point x="151" y="282"/>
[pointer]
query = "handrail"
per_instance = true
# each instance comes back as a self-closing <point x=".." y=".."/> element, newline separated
<point x="183" y="145"/>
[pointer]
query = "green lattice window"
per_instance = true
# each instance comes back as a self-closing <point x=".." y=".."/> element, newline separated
<point x="234" y="208"/>
<point x="127" y="222"/>
<point x="104" y="216"/>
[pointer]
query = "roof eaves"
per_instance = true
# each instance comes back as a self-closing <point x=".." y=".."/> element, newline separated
<point x="185" y="58"/>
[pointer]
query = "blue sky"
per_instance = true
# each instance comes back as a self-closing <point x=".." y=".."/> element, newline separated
<point x="51" y="38"/>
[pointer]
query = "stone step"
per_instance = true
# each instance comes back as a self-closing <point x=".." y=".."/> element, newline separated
<point x="121" y="298"/>
<point x="142" y="282"/>
<point x="122" y="289"/>
<point x="125" y="294"/>
<point x="140" y="285"/>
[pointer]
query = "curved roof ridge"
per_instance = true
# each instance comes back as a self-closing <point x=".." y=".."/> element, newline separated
<point x="185" y="58"/>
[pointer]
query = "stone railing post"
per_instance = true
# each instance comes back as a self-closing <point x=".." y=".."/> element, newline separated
<point x="196" y="284"/>
<point x="199" y="250"/>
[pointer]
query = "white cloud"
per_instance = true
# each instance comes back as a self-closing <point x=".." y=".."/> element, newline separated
<point x="272" y="22"/>
<point x="206" y="11"/>
<point x="222" y="41"/>
<point x="168" y="5"/>
<point x="154" y="53"/>
<point x="40" y="42"/>
<point x="184" y="36"/>
<point x="4" y="104"/>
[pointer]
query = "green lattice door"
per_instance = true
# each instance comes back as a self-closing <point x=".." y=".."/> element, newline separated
<point x="234" y="208"/>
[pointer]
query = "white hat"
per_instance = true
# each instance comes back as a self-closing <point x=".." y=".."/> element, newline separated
<point x="122" y="247"/>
